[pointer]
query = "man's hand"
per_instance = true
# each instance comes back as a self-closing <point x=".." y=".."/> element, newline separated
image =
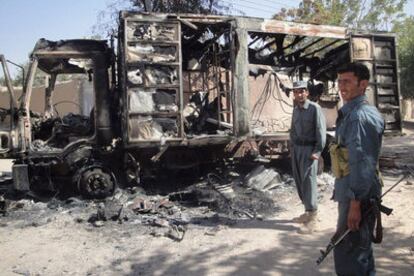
<point x="314" y="156"/>
<point x="354" y="215"/>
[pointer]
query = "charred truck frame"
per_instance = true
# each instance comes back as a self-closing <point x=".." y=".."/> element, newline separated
<point x="180" y="90"/>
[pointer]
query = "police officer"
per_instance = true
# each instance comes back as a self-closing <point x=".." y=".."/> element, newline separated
<point x="359" y="130"/>
<point x="307" y="136"/>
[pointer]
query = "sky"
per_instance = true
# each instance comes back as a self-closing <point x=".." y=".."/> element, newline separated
<point x="23" y="22"/>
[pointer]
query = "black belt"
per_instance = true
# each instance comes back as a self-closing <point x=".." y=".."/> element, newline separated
<point x="299" y="142"/>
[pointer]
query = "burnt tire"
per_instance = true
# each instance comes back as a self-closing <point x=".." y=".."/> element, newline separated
<point x="96" y="182"/>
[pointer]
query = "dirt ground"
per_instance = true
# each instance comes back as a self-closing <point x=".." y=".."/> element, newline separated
<point x="63" y="243"/>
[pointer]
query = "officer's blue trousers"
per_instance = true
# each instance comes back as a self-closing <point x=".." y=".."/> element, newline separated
<point x="354" y="255"/>
<point x="304" y="172"/>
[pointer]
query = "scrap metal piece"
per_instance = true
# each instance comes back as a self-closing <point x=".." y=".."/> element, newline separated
<point x="188" y="23"/>
<point x="157" y="156"/>
<point x="3" y="206"/>
<point x="21" y="177"/>
<point x="176" y="232"/>
<point x="216" y="181"/>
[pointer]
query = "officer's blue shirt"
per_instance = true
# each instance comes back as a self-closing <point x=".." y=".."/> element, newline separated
<point x="359" y="128"/>
<point x="308" y="124"/>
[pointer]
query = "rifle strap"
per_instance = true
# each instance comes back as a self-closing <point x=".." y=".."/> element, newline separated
<point x="377" y="238"/>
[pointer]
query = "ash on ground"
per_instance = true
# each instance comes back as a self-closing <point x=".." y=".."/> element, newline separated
<point x="218" y="198"/>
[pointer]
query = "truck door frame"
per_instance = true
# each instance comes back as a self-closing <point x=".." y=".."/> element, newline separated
<point x="6" y="135"/>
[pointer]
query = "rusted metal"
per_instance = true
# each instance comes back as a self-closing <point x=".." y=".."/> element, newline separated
<point x="291" y="28"/>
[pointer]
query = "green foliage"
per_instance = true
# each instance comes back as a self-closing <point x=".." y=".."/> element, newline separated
<point x="184" y="6"/>
<point x="405" y="36"/>
<point x="108" y="19"/>
<point x="356" y="14"/>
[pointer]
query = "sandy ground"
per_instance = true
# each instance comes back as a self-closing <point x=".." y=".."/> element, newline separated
<point x="244" y="247"/>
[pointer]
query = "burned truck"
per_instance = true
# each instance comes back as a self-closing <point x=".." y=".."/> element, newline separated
<point x="176" y="91"/>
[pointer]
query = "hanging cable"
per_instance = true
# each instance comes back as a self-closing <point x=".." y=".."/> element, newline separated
<point x="250" y="7"/>
<point x="279" y="97"/>
<point x="263" y="98"/>
<point x="267" y="6"/>
<point x="284" y="4"/>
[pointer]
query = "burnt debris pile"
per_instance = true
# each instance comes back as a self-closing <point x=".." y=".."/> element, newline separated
<point x="222" y="197"/>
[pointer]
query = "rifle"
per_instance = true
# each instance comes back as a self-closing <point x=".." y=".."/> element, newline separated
<point x="335" y="240"/>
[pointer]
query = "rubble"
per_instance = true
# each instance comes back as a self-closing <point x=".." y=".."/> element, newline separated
<point x="263" y="179"/>
<point x="219" y="198"/>
<point x="3" y="206"/>
<point x="212" y="200"/>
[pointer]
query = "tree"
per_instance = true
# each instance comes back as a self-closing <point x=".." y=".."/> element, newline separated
<point x="181" y="6"/>
<point x="16" y="80"/>
<point x="405" y="36"/>
<point x="356" y="14"/>
<point x="108" y="19"/>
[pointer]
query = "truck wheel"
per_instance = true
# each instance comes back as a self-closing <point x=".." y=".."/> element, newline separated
<point x="96" y="182"/>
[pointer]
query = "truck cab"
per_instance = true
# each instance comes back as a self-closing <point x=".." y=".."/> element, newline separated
<point x="55" y="141"/>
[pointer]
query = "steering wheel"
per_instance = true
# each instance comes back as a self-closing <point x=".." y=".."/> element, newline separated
<point x="61" y="102"/>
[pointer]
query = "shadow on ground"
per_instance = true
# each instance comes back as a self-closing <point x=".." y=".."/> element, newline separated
<point x="293" y="256"/>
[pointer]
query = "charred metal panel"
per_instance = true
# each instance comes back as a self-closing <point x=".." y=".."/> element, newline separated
<point x="241" y="84"/>
<point x="152" y="100"/>
<point x="21" y="177"/>
<point x="104" y="130"/>
<point x="292" y="28"/>
<point x="385" y="75"/>
<point x="152" y="53"/>
<point x="150" y="128"/>
<point x="140" y="101"/>
<point x="152" y="75"/>
<point x="361" y="48"/>
<point x="283" y="27"/>
<point x="161" y="75"/>
<point x="135" y="76"/>
<point x="378" y="52"/>
<point x="383" y="50"/>
<point x="151" y="60"/>
<point x="5" y="142"/>
<point x="137" y="31"/>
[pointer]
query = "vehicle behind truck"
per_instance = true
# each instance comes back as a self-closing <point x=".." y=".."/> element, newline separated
<point x="177" y="92"/>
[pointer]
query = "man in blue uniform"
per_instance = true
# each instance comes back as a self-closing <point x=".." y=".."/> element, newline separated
<point x="359" y="130"/>
<point x="307" y="137"/>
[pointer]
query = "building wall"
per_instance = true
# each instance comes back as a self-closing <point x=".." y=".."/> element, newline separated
<point x="67" y="96"/>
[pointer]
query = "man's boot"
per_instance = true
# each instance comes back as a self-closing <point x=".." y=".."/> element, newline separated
<point x="302" y="218"/>
<point x="311" y="225"/>
<point x="305" y="217"/>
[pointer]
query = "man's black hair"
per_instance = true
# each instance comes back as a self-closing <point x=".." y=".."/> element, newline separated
<point x="360" y="70"/>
